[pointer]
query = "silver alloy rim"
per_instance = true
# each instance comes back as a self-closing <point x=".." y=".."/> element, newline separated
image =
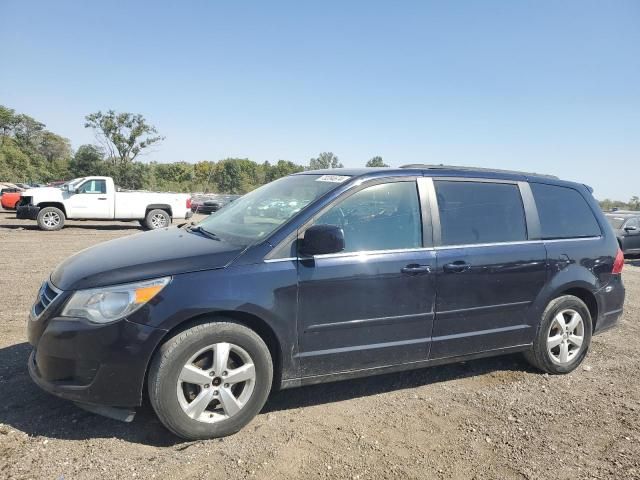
<point x="216" y="382"/>
<point x="158" y="220"/>
<point x="565" y="336"/>
<point x="51" y="219"/>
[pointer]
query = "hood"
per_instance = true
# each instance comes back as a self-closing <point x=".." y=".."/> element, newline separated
<point x="50" y="193"/>
<point x="143" y="256"/>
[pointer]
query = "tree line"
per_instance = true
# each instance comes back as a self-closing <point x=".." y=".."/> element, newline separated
<point x="30" y="153"/>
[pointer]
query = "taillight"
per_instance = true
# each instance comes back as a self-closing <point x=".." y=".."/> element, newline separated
<point x="618" y="263"/>
<point x="188" y="203"/>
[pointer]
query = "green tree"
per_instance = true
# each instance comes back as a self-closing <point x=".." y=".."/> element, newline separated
<point x="228" y="176"/>
<point x="324" y="160"/>
<point x="634" y="203"/>
<point x="88" y="160"/>
<point x="280" y="169"/>
<point x="123" y="135"/>
<point x="376" y="162"/>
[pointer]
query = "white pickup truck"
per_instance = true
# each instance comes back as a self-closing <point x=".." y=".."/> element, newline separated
<point x="96" y="198"/>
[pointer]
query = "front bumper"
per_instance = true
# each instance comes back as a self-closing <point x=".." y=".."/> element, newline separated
<point x="92" y="364"/>
<point x="27" y="212"/>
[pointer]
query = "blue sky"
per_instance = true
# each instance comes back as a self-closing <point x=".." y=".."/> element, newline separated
<point x="552" y="87"/>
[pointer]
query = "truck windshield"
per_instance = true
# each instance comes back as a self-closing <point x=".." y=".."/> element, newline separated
<point x="70" y="185"/>
<point x="258" y="213"/>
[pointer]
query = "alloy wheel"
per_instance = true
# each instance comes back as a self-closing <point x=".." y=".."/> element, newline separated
<point x="51" y="219"/>
<point x="216" y="382"/>
<point x="565" y="337"/>
<point x="158" y="221"/>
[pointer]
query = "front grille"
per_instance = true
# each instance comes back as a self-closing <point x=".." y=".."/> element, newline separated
<point x="46" y="296"/>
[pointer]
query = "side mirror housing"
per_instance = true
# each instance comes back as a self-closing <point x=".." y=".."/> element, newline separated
<point x="322" y="239"/>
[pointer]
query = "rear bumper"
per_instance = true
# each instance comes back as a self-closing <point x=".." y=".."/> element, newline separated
<point x="610" y="302"/>
<point x="28" y="212"/>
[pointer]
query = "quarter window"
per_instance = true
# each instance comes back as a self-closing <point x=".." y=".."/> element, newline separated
<point x="563" y="212"/>
<point x="480" y="212"/>
<point x="380" y="217"/>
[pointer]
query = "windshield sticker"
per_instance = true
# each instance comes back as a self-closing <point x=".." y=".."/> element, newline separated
<point x="332" y="178"/>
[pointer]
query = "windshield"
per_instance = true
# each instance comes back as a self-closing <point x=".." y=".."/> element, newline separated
<point x="616" y="222"/>
<point x="71" y="183"/>
<point x="255" y="215"/>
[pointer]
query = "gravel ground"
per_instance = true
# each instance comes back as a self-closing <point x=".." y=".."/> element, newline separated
<point x="494" y="418"/>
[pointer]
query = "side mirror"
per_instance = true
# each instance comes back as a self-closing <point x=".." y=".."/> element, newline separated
<point x="322" y="239"/>
<point x="631" y="229"/>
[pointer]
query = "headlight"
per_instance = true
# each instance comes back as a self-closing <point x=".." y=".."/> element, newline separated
<point x="106" y="304"/>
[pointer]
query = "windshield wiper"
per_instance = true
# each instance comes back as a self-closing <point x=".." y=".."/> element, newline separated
<point x="206" y="233"/>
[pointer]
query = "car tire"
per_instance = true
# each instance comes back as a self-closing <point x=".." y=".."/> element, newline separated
<point x="555" y="348"/>
<point x="156" y="219"/>
<point x="199" y="410"/>
<point x="50" y="219"/>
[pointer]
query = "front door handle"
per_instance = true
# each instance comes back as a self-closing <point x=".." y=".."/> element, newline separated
<point x="102" y="198"/>
<point x="456" y="267"/>
<point x="415" y="269"/>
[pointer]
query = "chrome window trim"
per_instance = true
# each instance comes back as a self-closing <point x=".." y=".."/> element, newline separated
<point x="365" y="253"/>
<point x="571" y="239"/>
<point x="284" y="259"/>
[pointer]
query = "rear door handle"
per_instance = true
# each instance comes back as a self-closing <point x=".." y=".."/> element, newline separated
<point x="456" y="267"/>
<point x="415" y="269"/>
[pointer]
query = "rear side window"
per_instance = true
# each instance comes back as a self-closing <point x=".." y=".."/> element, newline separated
<point x="564" y="212"/>
<point x="480" y="212"/>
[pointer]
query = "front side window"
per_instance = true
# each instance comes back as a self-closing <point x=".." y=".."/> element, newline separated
<point x="632" y="223"/>
<point x="563" y="212"/>
<point x="94" y="186"/>
<point x="480" y="212"/>
<point x="255" y="215"/>
<point x="380" y="217"/>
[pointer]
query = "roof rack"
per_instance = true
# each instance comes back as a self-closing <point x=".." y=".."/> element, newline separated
<point x="427" y="166"/>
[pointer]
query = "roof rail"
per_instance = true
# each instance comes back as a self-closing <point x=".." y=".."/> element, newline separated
<point x="472" y="169"/>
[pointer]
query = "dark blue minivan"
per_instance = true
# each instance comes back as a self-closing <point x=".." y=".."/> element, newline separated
<point x="322" y="276"/>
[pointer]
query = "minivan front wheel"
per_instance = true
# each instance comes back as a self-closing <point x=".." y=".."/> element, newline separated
<point x="210" y="380"/>
<point x="564" y="336"/>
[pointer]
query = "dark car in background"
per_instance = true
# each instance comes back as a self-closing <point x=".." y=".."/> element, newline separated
<point x="208" y="204"/>
<point x="324" y="276"/>
<point x="626" y="225"/>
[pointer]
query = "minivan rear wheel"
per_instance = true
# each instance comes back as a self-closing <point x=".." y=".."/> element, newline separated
<point x="564" y="336"/>
<point x="210" y="380"/>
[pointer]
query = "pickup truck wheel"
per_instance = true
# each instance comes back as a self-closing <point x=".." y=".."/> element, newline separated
<point x="157" y="219"/>
<point x="50" y="219"/>
<point x="211" y="380"/>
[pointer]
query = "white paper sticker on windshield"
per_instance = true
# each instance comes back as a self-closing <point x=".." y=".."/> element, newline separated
<point x="332" y="178"/>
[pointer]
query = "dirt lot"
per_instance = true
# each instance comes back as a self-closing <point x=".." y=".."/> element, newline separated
<point x="493" y="418"/>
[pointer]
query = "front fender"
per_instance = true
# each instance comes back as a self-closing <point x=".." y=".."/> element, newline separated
<point x="265" y="291"/>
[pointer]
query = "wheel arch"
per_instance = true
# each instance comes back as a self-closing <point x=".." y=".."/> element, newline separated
<point x="588" y="297"/>
<point x="159" y="206"/>
<point x="249" y="320"/>
<point x="57" y="205"/>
